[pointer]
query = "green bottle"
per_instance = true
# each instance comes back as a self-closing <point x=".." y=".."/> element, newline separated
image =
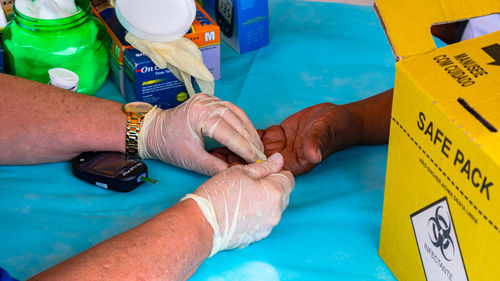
<point x="77" y="43"/>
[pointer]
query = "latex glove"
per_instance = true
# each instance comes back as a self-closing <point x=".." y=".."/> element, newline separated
<point x="244" y="203"/>
<point x="176" y="135"/>
<point x="181" y="56"/>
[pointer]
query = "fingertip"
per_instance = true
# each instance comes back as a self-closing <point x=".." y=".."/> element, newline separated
<point x="315" y="156"/>
<point x="272" y="165"/>
<point x="276" y="158"/>
<point x="312" y="152"/>
<point x="260" y="156"/>
<point x="320" y="156"/>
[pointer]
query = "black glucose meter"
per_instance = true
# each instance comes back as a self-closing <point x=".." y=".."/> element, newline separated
<point x="110" y="170"/>
<point x="224" y="15"/>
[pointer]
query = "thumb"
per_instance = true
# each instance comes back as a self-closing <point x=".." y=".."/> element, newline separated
<point x="312" y="149"/>
<point x="272" y="165"/>
<point x="318" y="144"/>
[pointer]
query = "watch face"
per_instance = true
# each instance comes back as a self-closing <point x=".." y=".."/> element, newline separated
<point x="137" y="107"/>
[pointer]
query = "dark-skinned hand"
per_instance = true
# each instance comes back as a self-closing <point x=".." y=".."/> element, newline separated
<point x="305" y="138"/>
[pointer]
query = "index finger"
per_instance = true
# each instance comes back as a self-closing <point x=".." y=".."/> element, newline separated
<point x="248" y="124"/>
<point x="226" y="135"/>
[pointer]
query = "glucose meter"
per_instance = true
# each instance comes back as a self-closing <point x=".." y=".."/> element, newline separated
<point x="224" y="15"/>
<point x="110" y="170"/>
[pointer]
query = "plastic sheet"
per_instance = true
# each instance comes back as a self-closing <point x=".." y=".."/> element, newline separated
<point x="318" y="52"/>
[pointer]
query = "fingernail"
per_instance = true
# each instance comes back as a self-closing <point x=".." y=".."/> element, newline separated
<point x="318" y="152"/>
<point x="276" y="157"/>
<point x="261" y="155"/>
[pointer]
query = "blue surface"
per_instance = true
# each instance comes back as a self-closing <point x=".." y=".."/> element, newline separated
<point x="318" y="52"/>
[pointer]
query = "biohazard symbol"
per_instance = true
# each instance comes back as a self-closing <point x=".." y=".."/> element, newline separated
<point x="439" y="233"/>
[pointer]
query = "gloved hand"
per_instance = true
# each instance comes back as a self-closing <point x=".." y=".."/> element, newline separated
<point x="243" y="203"/>
<point x="176" y="135"/>
<point x="304" y="138"/>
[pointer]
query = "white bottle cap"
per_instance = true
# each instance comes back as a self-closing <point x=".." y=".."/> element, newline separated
<point x="156" y="20"/>
<point x="63" y="78"/>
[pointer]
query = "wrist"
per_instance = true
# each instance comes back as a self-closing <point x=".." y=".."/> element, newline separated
<point x="372" y="118"/>
<point x="350" y="128"/>
<point x="155" y="139"/>
<point x="136" y="112"/>
<point x="200" y="227"/>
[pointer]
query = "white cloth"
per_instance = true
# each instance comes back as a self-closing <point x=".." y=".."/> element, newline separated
<point x="47" y="9"/>
<point x="481" y="26"/>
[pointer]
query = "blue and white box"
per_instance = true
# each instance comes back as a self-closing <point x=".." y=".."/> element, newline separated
<point x="243" y="23"/>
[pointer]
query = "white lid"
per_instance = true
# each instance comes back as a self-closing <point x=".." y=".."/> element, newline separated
<point x="63" y="78"/>
<point x="156" y="20"/>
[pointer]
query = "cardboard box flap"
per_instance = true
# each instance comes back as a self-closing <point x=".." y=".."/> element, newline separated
<point x="407" y="23"/>
<point x="462" y="80"/>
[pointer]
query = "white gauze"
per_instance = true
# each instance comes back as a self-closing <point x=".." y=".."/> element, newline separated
<point x="47" y="9"/>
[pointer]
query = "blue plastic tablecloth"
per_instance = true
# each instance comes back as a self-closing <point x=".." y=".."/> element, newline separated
<point x="318" y="52"/>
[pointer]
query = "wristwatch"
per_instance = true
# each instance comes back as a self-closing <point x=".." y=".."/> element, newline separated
<point x="135" y="113"/>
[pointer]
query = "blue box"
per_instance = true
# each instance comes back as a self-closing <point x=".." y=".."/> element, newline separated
<point x="117" y="73"/>
<point x="243" y="23"/>
<point x="1" y="56"/>
<point x="144" y="81"/>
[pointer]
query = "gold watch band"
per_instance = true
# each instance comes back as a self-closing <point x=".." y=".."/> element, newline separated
<point x="133" y="129"/>
<point x="136" y="111"/>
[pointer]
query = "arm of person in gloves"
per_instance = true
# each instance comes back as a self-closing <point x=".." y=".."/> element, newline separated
<point x="43" y="124"/>
<point x="238" y="206"/>
<point x="312" y="134"/>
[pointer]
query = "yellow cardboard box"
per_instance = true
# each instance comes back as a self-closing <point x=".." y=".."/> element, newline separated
<point x="441" y="217"/>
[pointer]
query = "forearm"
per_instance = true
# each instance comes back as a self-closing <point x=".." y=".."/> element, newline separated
<point x="170" y="246"/>
<point x="373" y="116"/>
<point x="47" y="124"/>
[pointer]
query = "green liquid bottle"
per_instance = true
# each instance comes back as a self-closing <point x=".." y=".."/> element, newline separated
<point x="33" y="46"/>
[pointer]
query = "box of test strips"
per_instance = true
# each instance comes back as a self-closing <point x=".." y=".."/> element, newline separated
<point x="144" y="81"/>
<point x="243" y="23"/>
<point x="441" y="215"/>
<point x="204" y="33"/>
